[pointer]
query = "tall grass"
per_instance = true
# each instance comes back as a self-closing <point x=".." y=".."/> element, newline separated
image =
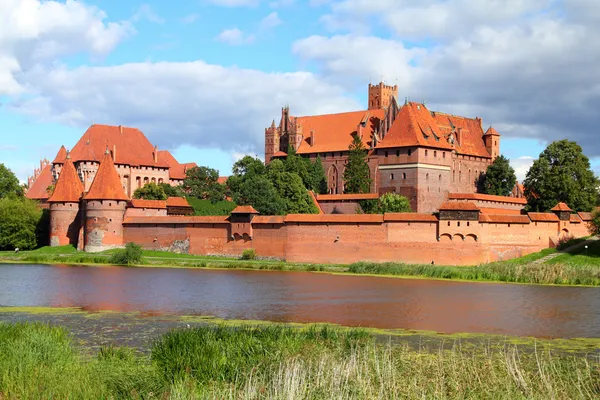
<point x="40" y="361"/>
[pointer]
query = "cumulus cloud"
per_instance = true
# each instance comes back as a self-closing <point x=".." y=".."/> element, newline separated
<point x="270" y="21"/>
<point x="521" y="165"/>
<point x="234" y="37"/>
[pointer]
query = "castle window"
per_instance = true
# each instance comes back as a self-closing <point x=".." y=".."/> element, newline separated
<point x="409" y="152"/>
<point x="397" y="153"/>
<point x="458" y="223"/>
<point x="440" y="177"/>
<point x="392" y="176"/>
<point x="468" y="224"/>
<point x="386" y="154"/>
<point x="435" y="153"/>
<point x="448" y="223"/>
<point x="426" y="177"/>
<point x="404" y="175"/>
<point x="425" y="153"/>
<point x="443" y="154"/>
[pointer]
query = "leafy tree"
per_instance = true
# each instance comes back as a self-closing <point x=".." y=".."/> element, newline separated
<point x="499" y="178"/>
<point x="172" y="191"/>
<point x="394" y="203"/>
<point x="9" y="184"/>
<point x="259" y="192"/>
<point x="202" y="183"/>
<point x="356" y="175"/>
<point x="300" y="166"/>
<point x="19" y="223"/>
<point x="150" y="191"/>
<point x="562" y="173"/>
<point x="318" y="178"/>
<point x="293" y="193"/>
<point x="130" y="255"/>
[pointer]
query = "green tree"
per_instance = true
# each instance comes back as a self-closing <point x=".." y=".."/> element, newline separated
<point x="150" y="191"/>
<point x="202" y="183"/>
<point x="172" y="191"/>
<point x="394" y="203"/>
<point x="294" y="195"/>
<point x="318" y="178"/>
<point x="19" y="223"/>
<point x="499" y="178"/>
<point x="562" y="173"/>
<point x="356" y="174"/>
<point x="259" y="192"/>
<point x="9" y="184"/>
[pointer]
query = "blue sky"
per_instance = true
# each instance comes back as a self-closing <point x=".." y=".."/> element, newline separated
<point x="203" y="78"/>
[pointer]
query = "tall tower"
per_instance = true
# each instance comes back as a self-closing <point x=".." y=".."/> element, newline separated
<point x="380" y="96"/>
<point x="271" y="142"/>
<point x="105" y="205"/>
<point x="492" y="142"/>
<point x="65" y="220"/>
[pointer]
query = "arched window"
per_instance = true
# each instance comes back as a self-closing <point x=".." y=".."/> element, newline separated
<point x="392" y="176"/>
<point x="440" y="177"/>
<point x="404" y="175"/>
<point x="434" y="153"/>
<point x="425" y="153"/>
<point x="426" y="177"/>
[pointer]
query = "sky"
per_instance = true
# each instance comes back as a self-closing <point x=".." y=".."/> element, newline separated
<point x="204" y="78"/>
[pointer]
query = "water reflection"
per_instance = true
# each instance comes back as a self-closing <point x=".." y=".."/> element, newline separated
<point x="305" y="297"/>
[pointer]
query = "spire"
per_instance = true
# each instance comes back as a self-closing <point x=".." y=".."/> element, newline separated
<point x="60" y="157"/>
<point x="273" y="124"/>
<point x="68" y="187"/>
<point x="107" y="184"/>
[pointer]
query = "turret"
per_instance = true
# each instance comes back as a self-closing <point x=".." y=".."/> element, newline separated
<point x="271" y="142"/>
<point x="105" y="205"/>
<point x="380" y="96"/>
<point x="65" y="218"/>
<point x="492" y="142"/>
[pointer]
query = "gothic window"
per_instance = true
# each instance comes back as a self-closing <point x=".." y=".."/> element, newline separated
<point x="392" y="176"/>
<point x="435" y="154"/>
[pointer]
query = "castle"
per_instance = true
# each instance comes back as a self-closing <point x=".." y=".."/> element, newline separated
<point x="418" y="153"/>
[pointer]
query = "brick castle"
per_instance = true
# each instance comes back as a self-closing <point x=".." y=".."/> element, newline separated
<point x="432" y="158"/>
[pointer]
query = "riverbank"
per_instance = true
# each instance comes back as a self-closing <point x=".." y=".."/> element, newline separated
<point x="579" y="266"/>
<point x="276" y="361"/>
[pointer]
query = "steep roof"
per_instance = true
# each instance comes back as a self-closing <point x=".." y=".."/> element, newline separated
<point x="334" y="132"/>
<point x="414" y="126"/>
<point x="244" y="210"/>
<point x="38" y="190"/>
<point x="61" y="156"/>
<point x="561" y="207"/>
<point x="176" y="170"/>
<point x="471" y="142"/>
<point x="132" y="146"/>
<point x="491" y="131"/>
<point x="107" y="184"/>
<point x="68" y="187"/>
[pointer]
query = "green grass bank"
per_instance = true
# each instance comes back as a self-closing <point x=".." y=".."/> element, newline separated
<point x="576" y="267"/>
<point x="277" y="362"/>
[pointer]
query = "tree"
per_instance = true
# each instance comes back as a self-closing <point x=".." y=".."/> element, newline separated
<point x="172" y="191"/>
<point x="499" y="178"/>
<point x="394" y="203"/>
<point x="202" y="183"/>
<point x="317" y="173"/>
<point x="9" y="184"/>
<point x="19" y="223"/>
<point x="259" y="192"/>
<point x="562" y="173"/>
<point x="356" y="174"/>
<point x="293" y="193"/>
<point x="150" y="191"/>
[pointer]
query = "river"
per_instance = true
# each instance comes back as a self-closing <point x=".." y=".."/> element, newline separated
<point x="390" y="303"/>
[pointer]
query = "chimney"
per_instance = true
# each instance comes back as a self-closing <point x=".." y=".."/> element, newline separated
<point x="114" y="153"/>
<point x="121" y="129"/>
<point x="155" y="154"/>
<point x="459" y="136"/>
<point x="312" y="137"/>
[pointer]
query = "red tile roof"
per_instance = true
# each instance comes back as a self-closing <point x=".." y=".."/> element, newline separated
<point x="471" y="142"/>
<point x="561" y="207"/>
<point x="458" y="206"/>
<point x="280" y="154"/>
<point x="543" y="217"/>
<point x="61" y="156"/>
<point x="347" y="197"/>
<point x="315" y="202"/>
<point x="504" y="219"/>
<point x="414" y="126"/>
<point x="222" y="180"/>
<point x="499" y="211"/>
<point x="492" y="132"/>
<point x="178" y="219"/>
<point x="335" y="218"/>
<point x="409" y="217"/>
<point x="132" y="146"/>
<point x="39" y="188"/>
<point x="244" y="210"/>
<point x="575" y="219"/>
<point x="107" y="184"/>
<point x="585" y="216"/>
<point x="269" y="219"/>
<point x="68" y="187"/>
<point x="141" y="203"/>
<point x="486" y="197"/>
<point x="176" y="170"/>
<point x="334" y="132"/>
<point x="177" y="202"/>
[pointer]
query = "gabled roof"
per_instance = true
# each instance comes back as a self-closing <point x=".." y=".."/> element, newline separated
<point x="585" y="216"/>
<point x="61" y="156"/>
<point x="132" y="146"/>
<point x="471" y="143"/>
<point x="38" y="190"/>
<point x="561" y="207"/>
<point x="68" y="187"/>
<point x="244" y="210"/>
<point x="414" y="126"/>
<point x="491" y="131"/>
<point x="141" y="203"/>
<point x="107" y="184"/>
<point x="334" y="132"/>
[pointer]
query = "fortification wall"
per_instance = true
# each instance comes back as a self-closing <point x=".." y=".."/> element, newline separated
<point x="65" y="222"/>
<point x="104" y="225"/>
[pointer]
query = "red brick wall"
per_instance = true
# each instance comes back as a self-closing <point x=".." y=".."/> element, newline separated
<point x="65" y="222"/>
<point x="103" y="227"/>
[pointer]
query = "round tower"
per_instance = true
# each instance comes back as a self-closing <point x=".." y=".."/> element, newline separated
<point x="65" y="217"/>
<point x="105" y="205"/>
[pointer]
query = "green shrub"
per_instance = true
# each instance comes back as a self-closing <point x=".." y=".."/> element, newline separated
<point x="130" y="255"/>
<point x="249" y="254"/>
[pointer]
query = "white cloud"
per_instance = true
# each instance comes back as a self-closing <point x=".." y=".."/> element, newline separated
<point x="234" y="37"/>
<point x="146" y="12"/>
<point x="270" y="21"/>
<point x="189" y="19"/>
<point x="521" y="165"/>
<point x="34" y="31"/>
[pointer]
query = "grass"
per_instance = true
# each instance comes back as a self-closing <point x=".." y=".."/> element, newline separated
<point x="577" y="267"/>
<point x="41" y="361"/>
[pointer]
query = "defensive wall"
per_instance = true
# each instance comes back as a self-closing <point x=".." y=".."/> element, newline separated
<point x="459" y="234"/>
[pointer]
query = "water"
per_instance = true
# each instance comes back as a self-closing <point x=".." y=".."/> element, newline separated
<point x="442" y="306"/>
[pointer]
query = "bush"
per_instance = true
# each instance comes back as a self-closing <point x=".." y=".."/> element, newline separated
<point x="131" y="254"/>
<point x="249" y="254"/>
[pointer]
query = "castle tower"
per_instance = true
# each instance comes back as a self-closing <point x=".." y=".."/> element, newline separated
<point x="271" y="142"/>
<point x="492" y="142"/>
<point x="65" y="218"/>
<point x="380" y="96"/>
<point x="105" y="205"/>
<point x="58" y="163"/>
